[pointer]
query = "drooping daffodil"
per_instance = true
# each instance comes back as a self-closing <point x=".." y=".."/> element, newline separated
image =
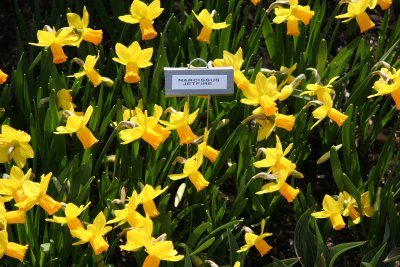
<point x="81" y="26"/>
<point x="206" y="19"/>
<point x="256" y="240"/>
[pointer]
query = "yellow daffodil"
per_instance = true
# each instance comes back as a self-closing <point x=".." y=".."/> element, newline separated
<point x="91" y="73"/>
<point x="36" y="194"/>
<point x="11" y="249"/>
<point x="158" y="251"/>
<point x="64" y="100"/>
<point x="14" y="144"/>
<point x="144" y="15"/>
<point x="3" y="77"/>
<point x="138" y="237"/>
<point x="180" y="122"/>
<point x="256" y="240"/>
<point x="190" y="169"/>
<point x="12" y="187"/>
<point x="275" y="159"/>
<point x="81" y="26"/>
<point x="146" y="127"/>
<point x="325" y="110"/>
<point x="77" y="124"/>
<point x="255" y="2"/>
<point x="71" y="216"/>
<point x="94" y="234"/>
<point x="323" y="92"/>
<point x="389" y="84"/>
<point x="351" y="208"/>
<point x="366" y="207"/>
<point x="10" y="217"/>
<point x="292" y="15"/>
<point x="357" y="9"/>
<point x="286" y="190"/>
<point x="129" y="213"/>
<point x="235" y="61"/>
<point x="207" y="150"/>
<point x="56" y="40"/>
<point x="264" y="93"/>
<point x="207" y="20"/>
<point x="268" y="123"/>
<point x="134" y="58"/>
<point x="384" y="4"/>
<point x="147" y="195"/>
<point x="332" y="209"/>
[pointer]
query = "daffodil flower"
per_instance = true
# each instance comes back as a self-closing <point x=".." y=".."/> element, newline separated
<point x="190" y="169"/>
<point x="325" y="110"/>
<point x="207" y="20"/>
<point x="256" y="240"/>
<point x="158" y="251"/>
<point x="323" y="92"/>
<point x="64" y="100"/>
<point x="332" y="209"/>
<point x="286" y="190"/>
<point x="134" y="58"/>
<point x="14" y="144"/>
<point x="11" y="249"/>
<point x="255" y="2"/>
<point x="146" y="127"/>
<point x="180" y="122"/>
<point x="81" y="25"/>
<point x="71" y="216"/>
<point x="264" y="93"/>
<point x="3" y="77"/>
<point x="147" y="195"/>
<point x="94" y="234"/>
<point x="77" y="124"/>
<point x="12" y="187"/>
<point x="275" y="159"/>
<point x="292" y="15"/>
<point x="384" y="4"/>
<point x="268" y="123"/>
<point x="10" y="217"/>
<point x="357" y="9"/>
<point x="36" y="194"/>
<point x="207" y="150"/>
<point x="144" y="15"/>
<point x="138" y="237"/>
<point x="56" y="40"/>
<point x="91" y="73"/>
<point x="390" y="84"/>
<point x="351" y="208"/>
<point x="236" y="62"/>
<point x="129" y="213"/>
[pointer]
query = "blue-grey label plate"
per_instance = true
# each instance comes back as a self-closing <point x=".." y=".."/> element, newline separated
<point x="198" y="81"/>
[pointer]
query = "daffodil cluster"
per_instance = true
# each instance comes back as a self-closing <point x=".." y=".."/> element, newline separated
<point x="344" y="205"/>
<point x="325" y="101"/>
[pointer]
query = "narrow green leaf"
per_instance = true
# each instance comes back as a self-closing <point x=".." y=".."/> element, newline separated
<point x="341" y="248"/>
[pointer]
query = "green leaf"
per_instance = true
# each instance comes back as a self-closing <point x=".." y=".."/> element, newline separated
<point x="341" y="248"/>
<point x="197" y="233"/>
<point x="336" y="168"/>
<point x="304" y="240"/>
<point x="393" y="255"/>
<point x="203" y="246"/>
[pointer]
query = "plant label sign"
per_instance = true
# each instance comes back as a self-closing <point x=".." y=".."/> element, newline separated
<point x="198" y="81"/>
